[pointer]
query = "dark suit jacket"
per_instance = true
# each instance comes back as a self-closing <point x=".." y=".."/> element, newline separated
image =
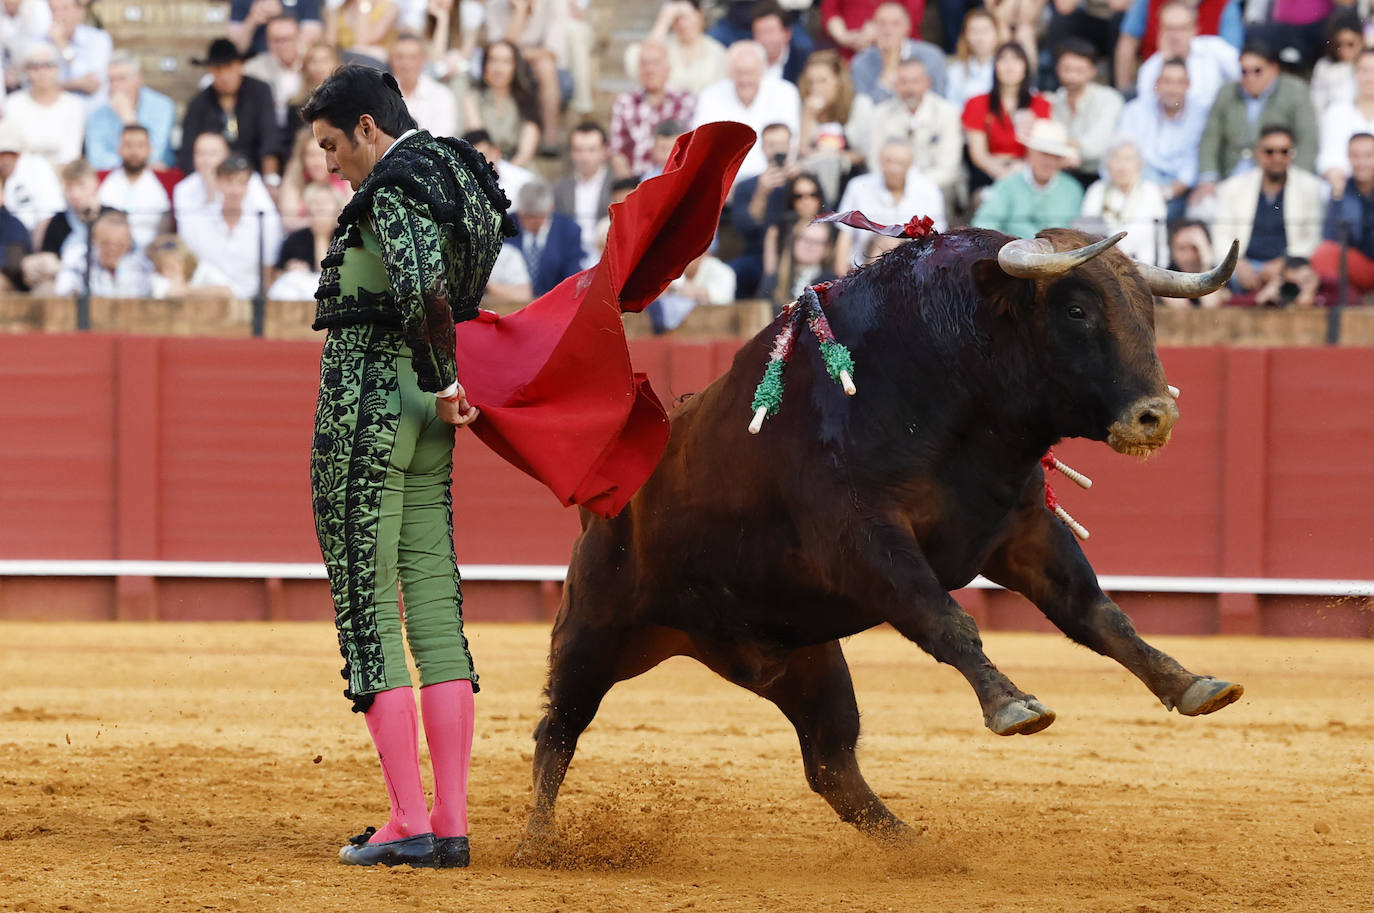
<point x="565" y="196"/>
<point x="751" y="232"/>
<point x="561" y="256"/>
<point x="254" y="113"/>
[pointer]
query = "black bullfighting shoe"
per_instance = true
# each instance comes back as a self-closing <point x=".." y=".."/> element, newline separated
<point x="453" y="853"/>
<point x="418" y="852"/>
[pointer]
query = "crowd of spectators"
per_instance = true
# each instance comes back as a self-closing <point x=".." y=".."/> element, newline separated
<point x="1186" y="123"/>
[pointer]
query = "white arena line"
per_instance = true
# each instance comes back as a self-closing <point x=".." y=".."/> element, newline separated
<point x="1128" y="583"/>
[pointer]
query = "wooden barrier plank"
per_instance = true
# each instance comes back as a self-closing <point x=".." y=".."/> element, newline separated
<point x="1320" y="479"/>
<point x="1244" y="451"/>
<point x="57" y="421"/>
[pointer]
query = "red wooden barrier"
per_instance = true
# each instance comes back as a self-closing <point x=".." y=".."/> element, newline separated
<point x="191" y="449"/>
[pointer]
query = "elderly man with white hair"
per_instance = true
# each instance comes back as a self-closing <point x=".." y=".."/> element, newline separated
<point x="919" y="117"/>
<point x="892" y="194"/>
<point x="1125" y="200"/>
<point x="750" y="97"/>
<point x="636" y="113"/>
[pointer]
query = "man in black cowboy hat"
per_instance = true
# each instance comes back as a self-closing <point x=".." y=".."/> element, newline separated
<point x="237" y="107"/>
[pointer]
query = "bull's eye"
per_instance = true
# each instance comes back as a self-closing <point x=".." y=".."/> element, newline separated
<point x="1076" y="312"/>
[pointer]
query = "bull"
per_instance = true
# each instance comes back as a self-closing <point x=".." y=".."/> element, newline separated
<point x="974" y="354"/>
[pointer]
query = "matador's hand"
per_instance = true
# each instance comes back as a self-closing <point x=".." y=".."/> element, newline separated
<point x="457" y="411"/>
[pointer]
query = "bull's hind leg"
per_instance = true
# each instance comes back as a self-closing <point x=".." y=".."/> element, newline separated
<point x="584" y="663"/>
<point x="1042" y="561"/>
<point x="816" y="694"/>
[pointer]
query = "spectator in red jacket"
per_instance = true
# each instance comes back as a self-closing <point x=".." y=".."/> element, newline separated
<point x="994" y="123"/>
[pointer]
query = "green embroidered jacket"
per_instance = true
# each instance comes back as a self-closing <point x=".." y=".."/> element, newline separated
<point x="414" y="248"/>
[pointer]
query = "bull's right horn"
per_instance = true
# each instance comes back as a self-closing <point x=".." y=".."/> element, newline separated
<point x="1036" y="258"/>
<point x="1167" y="283"/>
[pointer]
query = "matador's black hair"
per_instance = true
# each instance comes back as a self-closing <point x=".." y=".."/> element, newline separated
<point x="354" y="90"/>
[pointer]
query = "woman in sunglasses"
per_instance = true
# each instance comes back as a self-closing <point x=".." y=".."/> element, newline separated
<point x="804" y="203"/>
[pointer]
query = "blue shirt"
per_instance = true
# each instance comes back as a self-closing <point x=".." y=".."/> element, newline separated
<point x="1168" y="145"/>
<point x="1231" y="28"/>
<point x="155" y="111"/>
<point x="1254" y="104"/>
<point x="88" y="53"/>
<point x="1269" y="238"/>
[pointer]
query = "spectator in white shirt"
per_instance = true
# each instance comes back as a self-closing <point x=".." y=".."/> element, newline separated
<point x="926" y="122"/>
<point x="695" y="59"/>
<point x="116" y="271"/>
<point x="240" y="242"/>
<point x="178" y="274"/>
<point x="1333" y="76"/>
<point x="705" y="281"/>
<point x="509" y="285"/>
<point x="772" y="31"/>
<point x="1087" y="109"/>
<point x="83" y="52"/>
<point x="430" y="102"/>
<point x="894" y="194"/>
<point x="133" y="189"/>
<point x="970" y="70"/>
<point x="509" y="175"/>
<point x="1127" y="201"/>
<point x="1342" y="120"/>
<point x="1212" y="62"/>
<point x="751" y="98"/>
<point x="585" y="194"/>
<point x="32" y="191"/>
<point x="53" y="120"/>
<point x="198" y="193"/>
<point x="22" y="23"/>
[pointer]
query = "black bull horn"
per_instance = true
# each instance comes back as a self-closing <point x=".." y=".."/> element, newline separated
<point x="1036" y="258"/>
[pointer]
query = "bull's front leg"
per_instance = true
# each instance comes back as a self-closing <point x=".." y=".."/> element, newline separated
<point x="894" y="577"/>
<point x="1041" y="560"/>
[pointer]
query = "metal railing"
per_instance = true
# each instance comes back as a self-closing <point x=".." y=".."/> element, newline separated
<point x="83" y="294"/>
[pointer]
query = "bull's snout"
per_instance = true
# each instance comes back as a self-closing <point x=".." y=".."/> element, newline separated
<point x="1144" y="426"/>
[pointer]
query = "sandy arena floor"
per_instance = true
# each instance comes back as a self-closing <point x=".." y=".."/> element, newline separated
<point x="216" y="767"/>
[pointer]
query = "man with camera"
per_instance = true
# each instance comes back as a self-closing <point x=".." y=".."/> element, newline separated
<point x="760" y="201"/>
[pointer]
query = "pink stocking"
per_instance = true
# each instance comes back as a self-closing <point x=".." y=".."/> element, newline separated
<point x="394" y="727"/>
<point x="448" y="709"/>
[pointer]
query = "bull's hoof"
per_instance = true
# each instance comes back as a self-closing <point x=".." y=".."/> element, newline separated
<point x="1208" y="695"/>
<point x="889" y="829"/>
<point x="1021" y="717"/>
<point x="534" y="852"/>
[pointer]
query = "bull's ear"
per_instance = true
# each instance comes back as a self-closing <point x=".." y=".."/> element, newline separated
<point x="1007" y="294"/>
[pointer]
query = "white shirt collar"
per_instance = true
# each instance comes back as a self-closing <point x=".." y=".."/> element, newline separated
<point x="595" y="180"/>
<point x="400" y="139"/>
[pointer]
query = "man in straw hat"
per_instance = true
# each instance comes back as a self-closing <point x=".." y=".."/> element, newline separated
<point x="1040" y="195"/>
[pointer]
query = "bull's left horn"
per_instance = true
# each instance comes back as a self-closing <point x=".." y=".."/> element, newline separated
<point x="1167" y="283"/>
<point x="1036" y="258"/>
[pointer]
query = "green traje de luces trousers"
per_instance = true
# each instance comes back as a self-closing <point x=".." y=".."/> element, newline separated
<point x="379" y="472"/>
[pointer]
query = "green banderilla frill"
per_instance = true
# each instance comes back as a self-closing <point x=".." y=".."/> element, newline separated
<point x="839" y="364"/>
<point x="768" y="394"/>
